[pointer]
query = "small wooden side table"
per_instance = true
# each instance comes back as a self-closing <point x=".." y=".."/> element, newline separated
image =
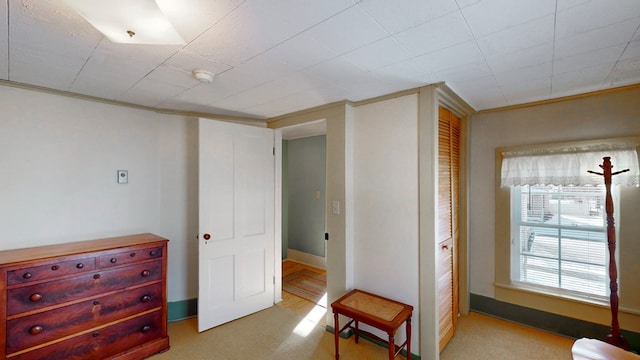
<point x="374" y="310"/>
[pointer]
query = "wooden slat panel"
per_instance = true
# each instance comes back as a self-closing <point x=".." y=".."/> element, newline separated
<point x="449" y="138"/>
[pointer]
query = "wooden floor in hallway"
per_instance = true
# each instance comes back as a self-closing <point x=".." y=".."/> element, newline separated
<point x="296" y="304"/>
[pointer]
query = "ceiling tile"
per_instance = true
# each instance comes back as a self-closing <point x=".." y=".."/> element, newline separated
<point x="59" y="73"/>
<point x="437" y="34"/>
<point x="173" y="76"/>
<point x="367" y="88"/>
<point x="203" y="93"/>
<point x="396" y="16"/>
<point x="410" y="69"/>
<point x="603" y="56"/>
<point x="249" y="30"/>
<point x="464" y="72"/>
<point x="302" y="51"/>
<point x="490" y="16"/>
<point x="583" y="80"/>
<point x="567" y="4"/>
<point x="359" y="26"/>
<point x="110" y="87"/>
<point x="518" y="37"/>
<point x="527" y="91"/>
<point x="295" y="102"/>
<point x="188" y="61"/>
<point x="201" y="14"/>
<point x="259" y="70"/>
<point x="604" y="37"/>
<point x="530" y="56"/>
<point x="151" y="92"/>
<point x="453" y="56"/>
<point x="301" y="15"/>
<point x="523" y="75"/>
<point x="481" y="93"/>
<point x="338" y="72"/>
<point x="626" y="72"/>
<point x="595" y="14"/>
<point x="632" y="50"/>
<point x="378" y="54"/>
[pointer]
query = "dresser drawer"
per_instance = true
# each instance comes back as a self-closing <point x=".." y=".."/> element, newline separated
<point x="102" y="343"/>
<point x="64" y="321"/>
<point x="128" y="257"/>
<point x="50" y="271"/>
<point x="37" y="296"/>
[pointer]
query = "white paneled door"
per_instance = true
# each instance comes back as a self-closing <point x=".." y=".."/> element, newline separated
<point x="236" y="221"/>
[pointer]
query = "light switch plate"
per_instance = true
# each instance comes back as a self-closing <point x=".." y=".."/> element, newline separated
<point x="335" y="207"/>
<point x="123" y="176"/>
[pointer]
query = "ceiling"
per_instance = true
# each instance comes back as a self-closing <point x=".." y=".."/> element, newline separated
<point x="273" y="57"/>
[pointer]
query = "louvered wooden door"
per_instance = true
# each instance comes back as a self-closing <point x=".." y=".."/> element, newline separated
<point x="448" y="215"/>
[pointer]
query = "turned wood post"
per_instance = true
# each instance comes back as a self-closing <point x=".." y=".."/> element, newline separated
<point x="614" y="338"/>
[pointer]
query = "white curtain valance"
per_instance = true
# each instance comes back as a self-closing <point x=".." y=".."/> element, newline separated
<point x="569" y="166"/>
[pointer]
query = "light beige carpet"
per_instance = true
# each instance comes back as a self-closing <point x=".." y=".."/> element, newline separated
<point x="271" y="334"/>
<point x="481" y="337"/>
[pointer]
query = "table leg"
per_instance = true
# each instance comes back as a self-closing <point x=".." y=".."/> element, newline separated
<point x="357" y="331"/>
<point x="408" y="338"/>
<point x="392" y="346"/>
<point x="336" y="333"/>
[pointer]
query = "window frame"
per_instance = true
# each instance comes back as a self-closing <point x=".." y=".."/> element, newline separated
<point x="588" y="309"/>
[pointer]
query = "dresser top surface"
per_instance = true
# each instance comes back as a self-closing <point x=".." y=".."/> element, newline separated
<point x="78" y="247"/>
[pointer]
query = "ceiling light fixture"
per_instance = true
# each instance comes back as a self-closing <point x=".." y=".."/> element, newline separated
<point x="203" y="75"/>
<point x="128" y="21"/>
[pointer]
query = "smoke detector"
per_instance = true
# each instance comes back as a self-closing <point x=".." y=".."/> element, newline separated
<point x="203" y="76"/>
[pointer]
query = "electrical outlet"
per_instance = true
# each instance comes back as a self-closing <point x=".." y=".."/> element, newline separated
<point x="123" y="176"/>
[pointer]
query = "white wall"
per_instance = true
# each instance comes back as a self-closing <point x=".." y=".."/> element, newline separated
<point x="385" y="208"/>
<point x="58" y="164"/>
<point x="609" y="115"/>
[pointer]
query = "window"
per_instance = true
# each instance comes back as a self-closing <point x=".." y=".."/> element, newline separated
<point x="560" y="239"/>
<point x="557" y="233"/>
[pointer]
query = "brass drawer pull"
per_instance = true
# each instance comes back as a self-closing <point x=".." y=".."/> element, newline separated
<point x="35" y="297"/>
<point x="146" y="273"/>
<point x="146" y="298"/>
<point x="27" y="276"/>
<point x="55" y="267"/>
<point x="145" y="329"/>
<point x="80" y="265"/>
<point x="113" y="260"/>
<point x="35" y="330"/>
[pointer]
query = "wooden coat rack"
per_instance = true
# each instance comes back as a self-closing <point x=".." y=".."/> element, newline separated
<point x="614" y="338"/>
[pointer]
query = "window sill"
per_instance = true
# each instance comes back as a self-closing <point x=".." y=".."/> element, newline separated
<point x="590" y="310"/>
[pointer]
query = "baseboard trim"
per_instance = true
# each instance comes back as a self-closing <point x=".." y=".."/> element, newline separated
<point x="306" y="258"/>
<point x="179" y="310"/>
<point x="553" y="323"/>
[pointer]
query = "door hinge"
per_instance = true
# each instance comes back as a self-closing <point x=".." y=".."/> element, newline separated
<point x="274" y="151"/>
<point x="274" y="280"/>
<point x="326" y="236"/>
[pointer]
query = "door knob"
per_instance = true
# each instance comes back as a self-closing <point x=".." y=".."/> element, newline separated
<point x="206" y="236"/>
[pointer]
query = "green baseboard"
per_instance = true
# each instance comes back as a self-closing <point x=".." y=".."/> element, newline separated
<point x="182" y="309"/>
<point x="554" y="323"/>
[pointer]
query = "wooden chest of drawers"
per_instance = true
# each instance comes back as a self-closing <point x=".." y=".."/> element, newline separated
<point x="96" y="299"/>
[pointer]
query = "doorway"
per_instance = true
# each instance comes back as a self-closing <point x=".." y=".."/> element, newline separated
<point x="303" y="220"/>
<point x="303" y="193"/>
